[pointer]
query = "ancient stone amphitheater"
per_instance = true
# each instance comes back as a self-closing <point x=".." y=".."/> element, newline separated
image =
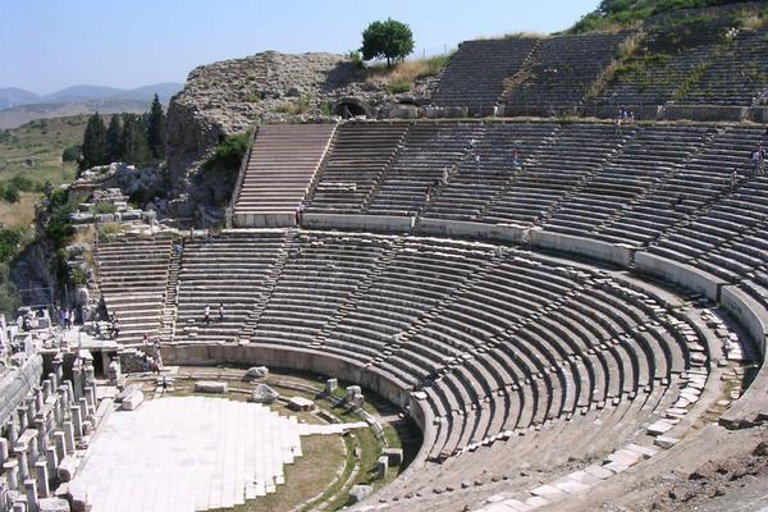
<point x="559" y="323"/>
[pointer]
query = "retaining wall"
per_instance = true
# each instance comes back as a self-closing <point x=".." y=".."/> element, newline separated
<point x="679" y="274"/>
<point x="17" y="384"/>
<point x="752" y="407"/>
<point x="500" y="232"/>
<point x="603" y="251"/>
<point x="264" y="220"/>
<point x="375" y="223"/>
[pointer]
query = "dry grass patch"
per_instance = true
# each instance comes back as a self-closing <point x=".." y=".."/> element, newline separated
<point x="20" y="214"/>
<point x="626" y="50"/>
<point x="400" y="77"/>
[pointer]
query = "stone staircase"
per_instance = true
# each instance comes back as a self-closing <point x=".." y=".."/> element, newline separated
<point x="270" y="283"/>
<point x="167" y="329"/>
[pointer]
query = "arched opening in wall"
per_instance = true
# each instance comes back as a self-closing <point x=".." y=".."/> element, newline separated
<point x="347" y="108"/>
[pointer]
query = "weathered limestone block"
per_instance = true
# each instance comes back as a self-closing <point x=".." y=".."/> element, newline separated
<point x="395" y="455"/>
<point x="298" y="403"/>
<point x="133" y="400"/>
<point x="352" y="391"/>
<point x="382" y="465"/>
<point x="210" y="387"/>
<point x="257" y="372"/>
<point x="331" y="385"/>
<point x="67" y="469"/>
<point x="264" y="394"/>
<point x="54" y="505"/>
<point x="357" y="400"/>
<point x="358" y="493"/>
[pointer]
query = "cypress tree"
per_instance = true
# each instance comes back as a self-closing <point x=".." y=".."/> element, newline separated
<point x="134" y="146"/>
<point x="156" y="129"/>
<point x="114" y="139"/>
<point x="94" y="143"/>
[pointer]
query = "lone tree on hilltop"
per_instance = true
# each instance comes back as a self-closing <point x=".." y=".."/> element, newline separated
<point x="391" y="39"/>
<point x="94" y="143"/>
<point x="156" y="129"/>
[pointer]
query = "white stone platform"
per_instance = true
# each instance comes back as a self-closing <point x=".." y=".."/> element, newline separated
<point x="186" y="454"/>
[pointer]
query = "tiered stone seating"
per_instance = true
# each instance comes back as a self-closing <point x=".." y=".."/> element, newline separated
<point x="429" y="151"/>
<point x="560" y="72"/>
<point x="728" y="239"/>
<point x="320" y="274"/>
<point x="132" y="275"/>
<point x="566" y="162"/>
<point x="282" y="163"/>
<point x="361" y="153"/>
<point x="415" y="280"/>
<point x="667" y="58"/>
<point x="475" y="75"/>
<point x="737" y="75"/>
<point x="473" y="185"/>
<point x="233" y="270"/>
<point x="703" y="179"/>
<point x="644" y="162"/>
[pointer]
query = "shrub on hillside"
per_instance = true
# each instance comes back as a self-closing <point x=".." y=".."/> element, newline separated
<point x="72" y="154"/>
<point x="229" y="153"/>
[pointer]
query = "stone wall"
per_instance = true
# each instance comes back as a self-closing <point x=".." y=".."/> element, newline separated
<point x="15" y="385"/>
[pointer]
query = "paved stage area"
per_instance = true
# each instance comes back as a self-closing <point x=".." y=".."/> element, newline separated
<point x="186" y="454"/>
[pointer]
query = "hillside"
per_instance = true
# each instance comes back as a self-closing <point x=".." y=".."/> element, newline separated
<point x="14" y="96"/>
<point x="35" y="148"/>
<point x="18" y="106"/>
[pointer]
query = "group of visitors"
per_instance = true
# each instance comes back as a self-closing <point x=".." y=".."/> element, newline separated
<point x="155" y="361"/>
<point x="65" y="318"/>
<point x="758" y="157"/>
<point x="623" y="115"/>
<point x="207" y="313"/>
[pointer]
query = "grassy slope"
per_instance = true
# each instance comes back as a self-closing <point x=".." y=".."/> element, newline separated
<point x="34" y="149"/>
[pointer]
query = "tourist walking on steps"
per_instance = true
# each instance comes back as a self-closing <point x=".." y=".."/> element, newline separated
<point x="515" y="156"/>
<point x="221" y="312"/>
<point x="733" y="179"/>
<point x="115" y="332"/>
<point x="207" y="314"/>
<point x="756" y="161"/>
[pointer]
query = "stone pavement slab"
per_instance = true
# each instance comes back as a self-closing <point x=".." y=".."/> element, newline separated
<point x="186" y="454"/>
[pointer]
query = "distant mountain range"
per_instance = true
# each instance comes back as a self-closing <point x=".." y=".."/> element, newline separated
<point x="19" y="106"/>
<point x="15" y="97"/>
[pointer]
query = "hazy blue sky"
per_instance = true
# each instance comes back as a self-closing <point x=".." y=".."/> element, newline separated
<point x="46" y="45"/>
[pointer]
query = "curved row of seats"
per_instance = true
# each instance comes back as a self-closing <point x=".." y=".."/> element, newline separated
<point x="132" y="273"/>
<point x="500" y="340"/>
<point x="713" y="61"/>
<point x="682" y="190"/>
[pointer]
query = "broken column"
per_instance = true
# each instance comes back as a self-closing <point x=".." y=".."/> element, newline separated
<point x="77" y="421"/>
<point x="20" y="453"/>
<point x="52" y="457"/>
<point x="30" y="490"/>
<point x="41" y="474"/>
<point x="60" y="445"/>
<point x="3" y="451"/>
<point x="77" y="380"/>
<point x="21" y="412"/>
<point x="331" y="385"/>
<point x="11" y="470"/>
<point x="13" y="431"/>
<point x="382" y="465"/>
<point x="69" y="437"/>
<point x="47" y="386"/>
